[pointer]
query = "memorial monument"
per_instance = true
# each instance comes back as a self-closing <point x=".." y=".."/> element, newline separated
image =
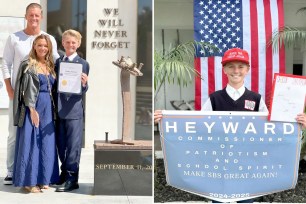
<point x="124" y="166"/>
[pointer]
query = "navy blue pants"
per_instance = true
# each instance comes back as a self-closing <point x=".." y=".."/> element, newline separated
<point x="69" y="146"/>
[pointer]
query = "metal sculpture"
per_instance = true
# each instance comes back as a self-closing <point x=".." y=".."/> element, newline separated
<point x="127" y="67"/>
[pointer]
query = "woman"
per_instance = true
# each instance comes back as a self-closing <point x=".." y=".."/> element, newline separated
<point x="36" y="164"/>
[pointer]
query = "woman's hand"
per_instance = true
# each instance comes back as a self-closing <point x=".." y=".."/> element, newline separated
<point x="157" y="116"/>
<point x="301" y="118"/>
<point x="34" y="117"/>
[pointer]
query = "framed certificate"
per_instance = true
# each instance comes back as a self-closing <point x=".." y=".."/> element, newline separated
<point x="288" y="97"/>
<point x="69" y="78"/>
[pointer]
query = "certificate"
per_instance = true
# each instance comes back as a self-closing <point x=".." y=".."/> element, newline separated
<point x="288" y="97"/>
<point x="69" y="78"/>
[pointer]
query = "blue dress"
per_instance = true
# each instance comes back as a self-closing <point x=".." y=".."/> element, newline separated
<point x="36" y="161"/>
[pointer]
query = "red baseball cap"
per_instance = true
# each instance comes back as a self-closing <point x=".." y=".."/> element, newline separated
<point x="235" y="54"/>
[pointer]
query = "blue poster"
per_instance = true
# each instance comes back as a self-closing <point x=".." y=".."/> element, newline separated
<point x="229" y="156"/>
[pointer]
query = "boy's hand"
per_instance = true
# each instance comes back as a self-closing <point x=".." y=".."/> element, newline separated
<point x="84" y="79"/>
<point x="301" y="118"/>
<point x="157" y="116"/>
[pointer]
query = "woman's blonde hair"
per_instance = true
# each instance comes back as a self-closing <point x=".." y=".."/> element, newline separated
<point x="33" y="59"/>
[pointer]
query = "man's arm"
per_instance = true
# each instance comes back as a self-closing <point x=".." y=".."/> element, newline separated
<point x="9" y="89"/>
<point x="7" y="63"/>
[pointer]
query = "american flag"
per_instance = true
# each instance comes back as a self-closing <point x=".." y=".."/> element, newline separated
<point x="247" y="24"/>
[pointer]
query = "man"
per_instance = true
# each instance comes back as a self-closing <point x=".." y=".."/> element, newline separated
<point x="17" y="48"/>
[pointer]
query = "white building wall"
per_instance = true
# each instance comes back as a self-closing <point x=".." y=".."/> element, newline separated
<point x="103" y="99"/>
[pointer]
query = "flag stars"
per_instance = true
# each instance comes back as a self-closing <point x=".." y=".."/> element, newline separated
<point x="233" y="14"/>
<point x="237" y="1"/>
<point x="238" y="19"/>
<point x="233" y="44"/>
<point x="201" y="31"/>
<point x="219" y="20"/>
<point x="233" y="34"/>
<point x="215" y="16"/>
<point x="201" y="3"/>
<point x="237" y="29"/>
<point x="228" y="10"/>
<point x="238" y="39"/>
<point x="206" y="37"/>
<point x="233" y="24"/>
<point x="205" y="7"/>
<point x="228" y="19"/>
<point x="237" y="9"/>
<point x="202" y="51"/>
<point x="201" y="12"/>
<point x="223" y="15"/>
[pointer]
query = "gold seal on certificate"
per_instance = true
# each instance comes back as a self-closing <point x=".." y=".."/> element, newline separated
<point x="64" y="82"/>
<point x="69" y="78"/>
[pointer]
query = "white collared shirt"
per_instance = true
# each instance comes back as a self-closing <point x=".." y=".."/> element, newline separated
<point x="71" y="57"/>
<point x="235" y="94"/>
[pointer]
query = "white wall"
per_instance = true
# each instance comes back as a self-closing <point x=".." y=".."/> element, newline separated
<point x="103" y="100"/>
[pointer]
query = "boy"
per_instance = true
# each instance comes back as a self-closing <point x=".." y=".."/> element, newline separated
<point x="70" y="116"/>
<point x="235" y="97"/>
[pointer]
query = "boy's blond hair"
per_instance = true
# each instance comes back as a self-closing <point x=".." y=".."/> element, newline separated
<point x="73" y="33"/>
